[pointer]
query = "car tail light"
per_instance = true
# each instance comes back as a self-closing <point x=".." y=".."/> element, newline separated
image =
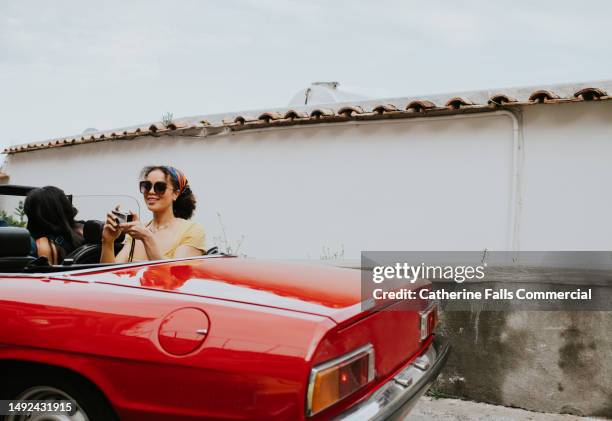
<point x="428" y="320"/>
<point x="334" y="380"/>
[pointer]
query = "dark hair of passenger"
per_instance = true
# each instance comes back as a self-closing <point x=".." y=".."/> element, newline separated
<point x="50" y="214"/>
<point x="185" y="203"/>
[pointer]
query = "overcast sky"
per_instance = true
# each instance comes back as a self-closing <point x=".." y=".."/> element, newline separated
<point x="69" y="65"/>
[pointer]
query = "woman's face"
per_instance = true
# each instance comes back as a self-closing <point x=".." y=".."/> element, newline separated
<point x="157" y="202"/>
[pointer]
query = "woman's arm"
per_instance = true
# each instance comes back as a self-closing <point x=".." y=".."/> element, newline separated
<point x="187" y="251"/>
<point x="192" y="242"/>
<point x="46" y="249"/>
<point x="151" y="246"/>
<point x="108" y="253"/>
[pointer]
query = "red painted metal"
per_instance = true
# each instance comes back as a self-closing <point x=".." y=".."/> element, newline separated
<point x="268" y="324"/>
<point x="183" y="331"/>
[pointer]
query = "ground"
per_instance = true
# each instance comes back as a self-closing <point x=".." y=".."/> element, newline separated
<point x="428" y="409"/>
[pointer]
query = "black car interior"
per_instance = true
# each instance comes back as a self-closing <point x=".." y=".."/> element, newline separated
<point x="15" y="249"/>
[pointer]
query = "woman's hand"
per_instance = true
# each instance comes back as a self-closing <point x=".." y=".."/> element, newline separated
<point x="111" y="230"/>
<point x="136" y="229"/>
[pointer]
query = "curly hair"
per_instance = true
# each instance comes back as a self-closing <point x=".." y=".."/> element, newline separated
<point x="185" y="203"/>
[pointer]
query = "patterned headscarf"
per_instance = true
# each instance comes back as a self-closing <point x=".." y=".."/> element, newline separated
<point x="179" y="177"/>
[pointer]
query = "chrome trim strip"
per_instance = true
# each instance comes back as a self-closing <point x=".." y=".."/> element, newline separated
<point x="366" y="349"/>
<point x="396" y="397"/>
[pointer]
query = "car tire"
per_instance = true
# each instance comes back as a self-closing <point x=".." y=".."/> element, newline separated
<point x="92" y="404"/>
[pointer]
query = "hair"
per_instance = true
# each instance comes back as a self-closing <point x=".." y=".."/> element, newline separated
<point x="50" y="213"/>
<point x="185" y="203"/>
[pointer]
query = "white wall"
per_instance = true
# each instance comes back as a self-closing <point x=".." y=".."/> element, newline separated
<point x="425" y="184"/>
<point x="385" y="185"/>
<point x="567" y="197"/>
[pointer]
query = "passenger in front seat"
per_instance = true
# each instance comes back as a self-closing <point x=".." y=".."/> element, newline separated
<point x="51" y="223"/>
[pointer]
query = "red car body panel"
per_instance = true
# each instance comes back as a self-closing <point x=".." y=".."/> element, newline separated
<point x="266" y="323"/>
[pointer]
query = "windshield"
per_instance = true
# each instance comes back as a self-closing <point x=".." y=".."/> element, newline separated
<point x="96" y="206"/>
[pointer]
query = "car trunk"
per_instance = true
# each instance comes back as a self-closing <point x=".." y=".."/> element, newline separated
<point x="391" y="326"/>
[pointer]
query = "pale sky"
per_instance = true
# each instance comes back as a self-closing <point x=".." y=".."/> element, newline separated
<point x="69" y="65"/>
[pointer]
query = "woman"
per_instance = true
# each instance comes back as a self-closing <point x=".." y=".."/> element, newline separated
<point x="51" y="223"/>
<point x="169" y="234"/>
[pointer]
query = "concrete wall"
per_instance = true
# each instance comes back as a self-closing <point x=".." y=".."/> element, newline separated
<point x="548" y="361"/>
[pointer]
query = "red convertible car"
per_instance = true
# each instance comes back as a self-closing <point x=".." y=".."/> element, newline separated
<point x="213" y="337"/>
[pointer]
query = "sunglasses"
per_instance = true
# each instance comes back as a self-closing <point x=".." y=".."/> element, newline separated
<point x="159" y="187"/>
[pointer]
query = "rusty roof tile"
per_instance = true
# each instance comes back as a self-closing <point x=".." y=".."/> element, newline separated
<point x="589" y="94"/>
<point x="384" y="108"/>
<point x="542" y="95"/>
<point x="457" y="102"/>
<point x="420" y="105"/>
<point x="350" y="110"/>
<point x="501" y="99"/>
<point x="321" y="112"/>
<point x="293" y="114"/>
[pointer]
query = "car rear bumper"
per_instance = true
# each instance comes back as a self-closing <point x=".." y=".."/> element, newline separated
<point x="394" y="399"/>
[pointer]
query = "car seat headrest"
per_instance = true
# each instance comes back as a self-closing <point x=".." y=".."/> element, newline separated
<point x="92" y="232"/>
<point x="15" y="242"/>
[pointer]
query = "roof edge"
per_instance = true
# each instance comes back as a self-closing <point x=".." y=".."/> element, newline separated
<point x="402" y="107"/>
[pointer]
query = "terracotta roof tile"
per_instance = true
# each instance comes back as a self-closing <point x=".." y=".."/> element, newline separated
<point x="501" y="99"/>
<point x="542" y="96"/>
<point x="270" y="115"/>
<point x="244" y="119"/>
<point x="420" y="106"/>
<point x="349" y="111"/>
<point x="157" y="127"/>
<point x="385" y="108"/>
<point x="177" y="125"/>
<point x="294" y="114"/>
<point x="322" y="112"/>
<point x="456" y="103"/>
<point x="588" y="94"/>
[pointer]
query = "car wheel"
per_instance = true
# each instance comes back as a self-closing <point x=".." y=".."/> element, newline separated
<point x="90" y="403"/>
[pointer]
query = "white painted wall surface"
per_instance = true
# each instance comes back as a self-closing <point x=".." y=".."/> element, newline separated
<point x="567" y="197"/>
<point x="394" y="185"/>
<point x="429" y="184"/>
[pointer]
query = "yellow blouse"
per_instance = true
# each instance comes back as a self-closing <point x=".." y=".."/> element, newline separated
<point x="189" y="234"/>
